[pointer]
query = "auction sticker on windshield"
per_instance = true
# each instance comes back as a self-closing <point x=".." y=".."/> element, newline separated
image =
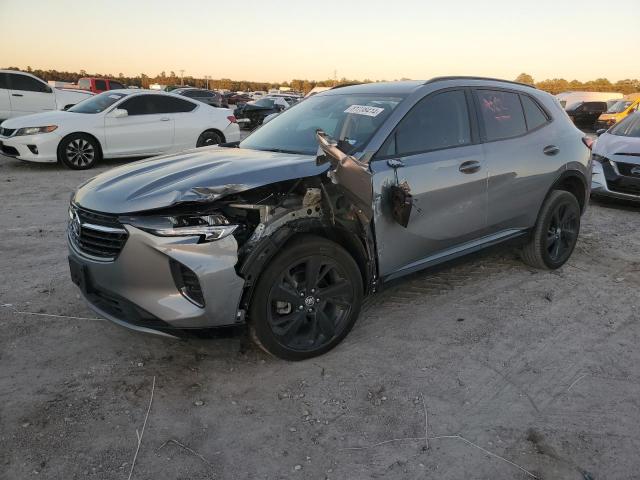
<point x="364" y="110"/>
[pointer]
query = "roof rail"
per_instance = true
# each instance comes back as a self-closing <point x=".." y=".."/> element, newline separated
<point x="462" y="77"/>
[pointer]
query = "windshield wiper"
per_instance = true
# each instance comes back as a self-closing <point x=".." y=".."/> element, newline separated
<point x="282" y="150"/>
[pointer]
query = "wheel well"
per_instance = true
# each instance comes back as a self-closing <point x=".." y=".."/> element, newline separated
<point x="81" y="133"/>
<point x="574" y="184"/>
<point x="69" y="106"/>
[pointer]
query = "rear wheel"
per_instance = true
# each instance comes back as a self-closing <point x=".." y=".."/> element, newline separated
<point x="209" y="138"/>
<point x="556" y="232"/>
<point x="307" y="299"/>
<point x="79" y="151"/>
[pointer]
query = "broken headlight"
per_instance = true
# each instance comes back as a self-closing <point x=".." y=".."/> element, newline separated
<point x="207" y="227"/>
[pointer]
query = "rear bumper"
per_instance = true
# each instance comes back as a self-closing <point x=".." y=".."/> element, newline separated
<point x="32" y="148"/>
<point x="138" y="289"/>
<point x="605" y="181"/>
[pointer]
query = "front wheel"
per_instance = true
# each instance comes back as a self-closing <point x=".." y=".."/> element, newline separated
<point x="556" y="232"/>
<point x="79" y="151"/>
<point x="306" y="300"/>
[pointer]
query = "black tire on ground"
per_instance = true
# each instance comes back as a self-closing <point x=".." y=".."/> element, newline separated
<point x="79" y="151"/>
<point x="306" y="300"/>
<point x="556" y="232"/>
<point x="208" y="138"/>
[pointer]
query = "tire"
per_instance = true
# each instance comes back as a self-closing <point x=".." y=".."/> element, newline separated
<point x="208" y="138"/>
<point x="556" y="232"/>
<point x="294" y="319"/>
<point x="79" y="151"/>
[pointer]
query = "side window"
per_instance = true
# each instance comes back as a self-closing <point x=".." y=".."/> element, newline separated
<point x="25" y="83"/>
<point x="101" y="85"/>
<point x="167" y="104"/>
<point x="205" y="94"/>
<point x="191" y="93"/>
<point x="437" y="121"/>
<point x="115" y="85"/>
<point x="501" y="114"/>
<point x="4" y="80"/>
<point x="533" y="113"/>
<point x="138" y="105"/>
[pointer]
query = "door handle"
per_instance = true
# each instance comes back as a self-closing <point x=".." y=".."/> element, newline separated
<point x="165" y="119"/>
<point x="550" y="150"/>
<point x="17" y="95"/>
<point x="470" y="166"/>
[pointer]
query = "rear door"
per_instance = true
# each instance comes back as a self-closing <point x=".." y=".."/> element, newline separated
<point x="521" y="154"/>
<point x="188" y="125"/>
<point x="145" y="131"/>
<point x="434" y="154"/>
<point x="29" y="95"/>
<point x="5" y="102"/>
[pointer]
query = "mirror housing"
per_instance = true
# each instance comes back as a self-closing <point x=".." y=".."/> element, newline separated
<point x="120" y="113"/>
<point x="600" y="131"/>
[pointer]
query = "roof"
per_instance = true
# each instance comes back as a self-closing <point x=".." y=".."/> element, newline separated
<point x="405" y="87"/>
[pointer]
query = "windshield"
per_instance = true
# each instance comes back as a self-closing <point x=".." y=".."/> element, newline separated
<point x="97" y="104"/>
<point x="263" y="102"/>
<point x="618" y="107"/>
<point x="349" y="119"/>
<point x="629" y="127"/>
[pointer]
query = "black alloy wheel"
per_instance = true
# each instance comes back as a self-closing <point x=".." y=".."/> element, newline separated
<point x="556" y="232"/>
<point x="79" y="151"/>
<point x="208" y="138"/>
<point x="307" y="300"/>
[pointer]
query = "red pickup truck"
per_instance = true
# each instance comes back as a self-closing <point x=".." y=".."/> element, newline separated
<point x="98" y="85"/>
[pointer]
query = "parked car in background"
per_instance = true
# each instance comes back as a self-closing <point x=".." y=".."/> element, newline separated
<point x="258" y="94"/>
<point x="585" y="114"/>
<point x="253" y="113"/>
<point x="236" y="98"/>
<point x="271" y="233"/>
<point x="22" y="94"/>
<point x="202" y="95"/>
<point x="616" y="161"/>
<point x="570" y="99"/>
<point x="99" y="85"/>
<point x="114" y="124"/>
<point x="619" y="110"/>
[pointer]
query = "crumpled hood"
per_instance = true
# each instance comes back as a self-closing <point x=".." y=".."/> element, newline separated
<point x="198" y="175"/>
<point x="611" y="146"/>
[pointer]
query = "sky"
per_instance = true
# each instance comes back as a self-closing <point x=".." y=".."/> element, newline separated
<point x="279" y="40"/>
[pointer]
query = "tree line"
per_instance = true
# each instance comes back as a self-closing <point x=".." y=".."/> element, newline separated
<point x="553" y="86"/>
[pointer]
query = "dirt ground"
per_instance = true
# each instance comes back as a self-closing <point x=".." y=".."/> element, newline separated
<point x="523" y="373"/>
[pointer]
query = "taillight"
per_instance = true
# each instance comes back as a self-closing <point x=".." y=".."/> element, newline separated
<point x="588" y="141"/>
<point x="232" y="119"/>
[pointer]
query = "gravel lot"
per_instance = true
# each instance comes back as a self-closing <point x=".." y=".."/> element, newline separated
<point x="539" y="368"/>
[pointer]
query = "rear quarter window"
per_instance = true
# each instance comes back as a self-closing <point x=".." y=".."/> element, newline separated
<point x="501" y="114"/>
<point x="101" y="85"/>
<point x="533" y="113"/>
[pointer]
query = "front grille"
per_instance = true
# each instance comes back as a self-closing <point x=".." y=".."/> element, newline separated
<point x="95" y="234"/>
<point x="7" y="132"/>
<point x="625" y="169"/>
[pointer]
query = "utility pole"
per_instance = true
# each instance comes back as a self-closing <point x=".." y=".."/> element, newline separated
<point x="335" y="77"/>
<point x="181" y="77"/>
<point x="207" y="78"/>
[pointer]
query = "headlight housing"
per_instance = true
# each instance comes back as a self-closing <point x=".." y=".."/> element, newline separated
<point x="35" y="130"/>
<point x="208" y="227"/>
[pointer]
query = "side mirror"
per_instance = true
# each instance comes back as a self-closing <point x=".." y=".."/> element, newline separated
<point x="120" y="113"/>
<point x="600" y="131"/>
<point x="47" y="89"/>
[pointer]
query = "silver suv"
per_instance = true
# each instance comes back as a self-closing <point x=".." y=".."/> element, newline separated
<point x="289" y="229"/>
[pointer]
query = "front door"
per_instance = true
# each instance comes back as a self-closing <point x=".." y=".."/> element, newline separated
<point x="434" y="155"/>
<point x="143" y="132"/>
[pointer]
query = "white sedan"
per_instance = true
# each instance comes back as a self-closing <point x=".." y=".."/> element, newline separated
<point x="116" y="124"/>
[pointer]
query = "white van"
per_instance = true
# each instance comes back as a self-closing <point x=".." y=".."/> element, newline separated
<point x="570" y="99"/>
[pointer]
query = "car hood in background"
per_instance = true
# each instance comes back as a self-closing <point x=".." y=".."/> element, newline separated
<point x="612" y="146"/>
<point x="199" y="175"/>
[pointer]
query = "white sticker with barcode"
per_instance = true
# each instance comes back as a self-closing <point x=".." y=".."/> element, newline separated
<point x="364" y="110"/>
